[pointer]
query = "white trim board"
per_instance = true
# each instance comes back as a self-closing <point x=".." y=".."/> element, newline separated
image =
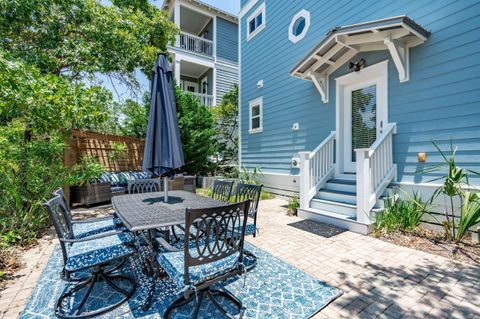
<point x="251" y="104"/>
<point x="301" y="14"/>
<point x="375" y="74"/>
<point x="253" y="16"/>
<point x="247" y="8"/>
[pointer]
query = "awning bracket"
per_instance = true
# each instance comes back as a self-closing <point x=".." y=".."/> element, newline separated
<point x="321" y="83"/>
<point x="399" y="53"/>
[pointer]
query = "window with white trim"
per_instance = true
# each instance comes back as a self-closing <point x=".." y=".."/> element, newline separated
<point x="256" y="22"/>
<point x="299" y="26"/>
<point x="256" y="116"/>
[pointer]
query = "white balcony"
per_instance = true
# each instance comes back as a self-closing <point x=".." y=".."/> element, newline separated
<point x="195" y="44"/>
<point x="204" y="99"/>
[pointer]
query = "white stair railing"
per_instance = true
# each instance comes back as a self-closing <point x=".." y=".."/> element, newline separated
<point x="195" y="44"/>
<point x="316" y="168"/>
<point x="375" y="170"/>
<point x="204" y="99"/>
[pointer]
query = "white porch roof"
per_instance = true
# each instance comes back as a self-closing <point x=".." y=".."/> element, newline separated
<point x="396" y="34"/>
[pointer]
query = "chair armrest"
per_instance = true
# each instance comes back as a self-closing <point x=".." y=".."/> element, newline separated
<point x="161" y="241"/>
<point x="94" y="237"/>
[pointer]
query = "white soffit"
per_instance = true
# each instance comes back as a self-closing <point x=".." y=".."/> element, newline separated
<point x="396" y="34"/>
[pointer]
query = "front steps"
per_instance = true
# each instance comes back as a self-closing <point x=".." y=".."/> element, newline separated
<point x="335" y="204"/>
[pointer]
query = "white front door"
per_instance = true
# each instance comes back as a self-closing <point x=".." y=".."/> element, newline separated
<point x="361" y="112"/>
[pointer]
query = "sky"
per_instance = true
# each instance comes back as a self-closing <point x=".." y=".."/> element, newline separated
<point x="120" y="92"/>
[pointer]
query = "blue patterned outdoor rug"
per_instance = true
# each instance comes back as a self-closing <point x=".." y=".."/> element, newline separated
<point x="273" y="289"/>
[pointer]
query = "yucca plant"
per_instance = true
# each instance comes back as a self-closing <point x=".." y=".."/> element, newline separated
<point x="400" y="214"/>
<point x="470" y="214"/>
<point x="454" y="183"/>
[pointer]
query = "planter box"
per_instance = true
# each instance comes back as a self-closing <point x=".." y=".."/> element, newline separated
<point x="91" y="194"/>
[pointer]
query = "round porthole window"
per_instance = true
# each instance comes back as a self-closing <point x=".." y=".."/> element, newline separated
<point x="299" y="26"/>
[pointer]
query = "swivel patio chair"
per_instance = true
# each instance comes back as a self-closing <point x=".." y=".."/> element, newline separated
<point x="222" y="190"/>
<point x="88" y="227"/>
<point x="92" y="255"/>
<point x="208" y="258"/>
<point x="250" y="192"/>
<point x="144" y="186"/>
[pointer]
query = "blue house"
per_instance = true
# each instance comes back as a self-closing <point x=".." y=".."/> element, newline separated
<point x="340" y="100"/>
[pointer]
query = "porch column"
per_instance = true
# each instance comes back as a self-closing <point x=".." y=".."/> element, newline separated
<point x="363" y="185"/>
<point x="177" y="71"/>
<point x="176" y="19"/>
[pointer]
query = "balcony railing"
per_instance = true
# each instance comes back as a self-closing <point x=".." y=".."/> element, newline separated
<point x="195" y="44"/>
<point x="204" y="99"/>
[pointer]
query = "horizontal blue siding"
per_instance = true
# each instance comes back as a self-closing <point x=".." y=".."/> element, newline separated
<point x="440" y="102"/>
<point x="227" y="40"/>
<point x="226" y="78"/>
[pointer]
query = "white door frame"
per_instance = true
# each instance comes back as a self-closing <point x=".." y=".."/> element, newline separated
<point x="375" y="74"/>
<point x="204" y="80"/>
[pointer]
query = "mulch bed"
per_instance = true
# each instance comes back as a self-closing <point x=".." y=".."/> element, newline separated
<point x="9" y="263"/>
<point x="435" y="243"/>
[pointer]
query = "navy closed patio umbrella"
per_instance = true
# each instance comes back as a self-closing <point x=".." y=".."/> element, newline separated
<point x="163" y="148"/>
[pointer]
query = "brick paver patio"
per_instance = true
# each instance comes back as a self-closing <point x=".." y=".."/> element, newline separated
<point x="379" y="279"/>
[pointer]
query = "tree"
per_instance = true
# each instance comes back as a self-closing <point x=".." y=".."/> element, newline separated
<point x="78" y="38"/>
<point x="48" y="48"/>
<point x="135" y="118"/>
<point x="198" y="134"/>
<point x="226" y="116"/>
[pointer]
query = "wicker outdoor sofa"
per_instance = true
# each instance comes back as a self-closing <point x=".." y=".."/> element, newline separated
<point x="115" y="183"/>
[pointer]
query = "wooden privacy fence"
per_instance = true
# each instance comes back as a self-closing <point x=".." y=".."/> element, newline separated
<point x="115" y="153"/>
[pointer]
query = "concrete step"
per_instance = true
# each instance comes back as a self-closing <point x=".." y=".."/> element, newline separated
<point x="337" y="184"/>
<point x="345" y="209"/>
<point x="338" y="220"/>
<point x="349" y="176"/>
<point x="337" y="196"/>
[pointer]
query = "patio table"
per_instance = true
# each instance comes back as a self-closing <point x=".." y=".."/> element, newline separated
<point x="148" y="211"/>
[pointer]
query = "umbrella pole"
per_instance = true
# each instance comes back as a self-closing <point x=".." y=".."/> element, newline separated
<point x="165" y="188"/>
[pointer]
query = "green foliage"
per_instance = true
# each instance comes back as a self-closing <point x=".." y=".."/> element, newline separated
<point x="226" y="116"/>
<point x="293" y="205"/>
<point x="82" y="37"/>
<point x="30" y="170"/>
<point x="250" y="176"/>
<point x="400" y="214"/>
<point x="118" y="151"/>
<point x="455" y="180"/>
<point x="470" y="214"/>
<point x="48" y="104"/>
<point x="48" y="49"/>
<point x="197" y="130"/>
<point x="88" y="171"/>
<point x="135" y="118"/>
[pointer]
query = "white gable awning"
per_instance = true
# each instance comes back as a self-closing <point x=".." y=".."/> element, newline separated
<point x="396" y="34"/>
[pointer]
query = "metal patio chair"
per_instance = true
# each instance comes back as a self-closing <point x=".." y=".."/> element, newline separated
<point x="222" y="190"/>
<point x="208" y="258"/>
<point x="250" y="192"/>
<point x="88" y="227"/>
<point x="144" y="186"/>
<point x="94" y="254"/>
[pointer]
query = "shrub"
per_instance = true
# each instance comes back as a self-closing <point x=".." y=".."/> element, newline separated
<point x="400" y="214"/>
<point x="29" y="173"/>
<point x="293" y="205"/>
<point x="88" y="171"/>
<point x="454" y="182"/>
<point x="197" y="131"/>
<point x="253" y="176"/>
